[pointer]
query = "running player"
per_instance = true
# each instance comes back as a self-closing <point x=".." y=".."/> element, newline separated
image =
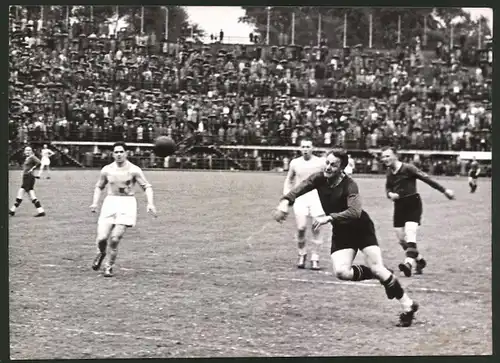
<point x="401" y="188"/>
<point x="349" y="169"/>
<point x="307" y="206"/>
<point x="119" y="209"/>
<point x="474" y="174"/>
<point x="30" y="164"/>
<point x="46" y="155"/>
<point x="352" y="230"/>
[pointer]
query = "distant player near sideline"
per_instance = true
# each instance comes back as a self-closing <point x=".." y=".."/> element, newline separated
<point x="352" y="230"/>
<point x="401" y="188"/>
<point x="474" y="172"/>
<point x="45" y="160"/>
<point x="119" y="209"/>
<point x="307" y="206"/>
<point x="349" y="169"/>
<point x="29" y="166"/>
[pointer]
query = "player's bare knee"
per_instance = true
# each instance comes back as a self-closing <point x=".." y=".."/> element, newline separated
<point x="342" y="270"/>
<point x="102" y="235"/>
<point x="373" y="259"/>
<point x="114" y="241"/>
<point x="343" y="273"/>
<point x="379" y="270"/>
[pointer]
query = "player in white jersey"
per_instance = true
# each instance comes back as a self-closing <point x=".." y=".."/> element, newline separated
<point x="307" y="206"/>
<point x="46" y="154"/>
<point x="119" y="209"/>
<point x="349" y="169"/>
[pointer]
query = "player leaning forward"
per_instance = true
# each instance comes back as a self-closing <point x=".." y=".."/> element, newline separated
<point x="352" y="229"/>
<point x="308" y="205"/>
<point x="119" y="209"/>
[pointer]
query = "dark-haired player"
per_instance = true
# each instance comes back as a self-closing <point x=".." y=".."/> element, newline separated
<point x="31" y="163"/>
<point x="401" y="188"/>
<point x="474" y="172"/>
<point x="352" y="230"/>
<point x="119" y="209"/>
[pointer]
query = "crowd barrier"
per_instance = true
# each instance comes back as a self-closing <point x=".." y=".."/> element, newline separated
<point x="93" y="155"/>
<point x="255" y="150"/>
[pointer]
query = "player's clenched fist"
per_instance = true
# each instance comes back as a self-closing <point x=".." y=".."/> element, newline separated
<point x="281" y="211"/>
<point x="93" y="208"/>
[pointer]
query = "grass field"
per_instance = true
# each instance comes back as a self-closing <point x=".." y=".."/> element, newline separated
<point x="213" y="276"/>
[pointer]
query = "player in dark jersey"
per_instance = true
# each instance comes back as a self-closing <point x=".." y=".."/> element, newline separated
<point x="401" y="188"/>
<point x="474" y="172"/>
<point x="352" y="229"/>
<point x="30" y="164"/>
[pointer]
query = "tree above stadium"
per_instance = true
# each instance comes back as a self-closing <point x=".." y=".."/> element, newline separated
<point x="154" y="18"/>
<point x="384" y="26"/>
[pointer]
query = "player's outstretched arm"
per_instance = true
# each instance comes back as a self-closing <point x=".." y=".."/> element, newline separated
<point x="289" y="198"/>
<point x="306" y="186"/>
<point x="99" y="186"/>
<point x="419" y="174"/>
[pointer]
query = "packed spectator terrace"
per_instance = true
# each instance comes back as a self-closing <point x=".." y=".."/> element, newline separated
<point x="88" y="85"/>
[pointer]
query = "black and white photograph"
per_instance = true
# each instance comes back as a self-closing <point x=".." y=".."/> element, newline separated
<point x="249" y="181"/>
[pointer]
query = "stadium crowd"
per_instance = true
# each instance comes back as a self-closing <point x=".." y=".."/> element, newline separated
<point x="97" y="86"/>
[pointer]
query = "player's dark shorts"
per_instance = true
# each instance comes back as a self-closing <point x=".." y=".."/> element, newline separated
<point x="355" y="235"/>
<point x="407" y="209"/>
<point x="473" y="174"/>
<point x="28" y="182"/>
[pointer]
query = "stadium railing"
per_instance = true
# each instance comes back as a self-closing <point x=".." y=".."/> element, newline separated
<point x="91" y="154"/>
<point x="466" y="155"/>
<point x="256" y="158"/>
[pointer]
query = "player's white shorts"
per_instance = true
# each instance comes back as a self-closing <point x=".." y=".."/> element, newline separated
<point x="45" y="161"/>
<point x="119" y="210"/>
<point x="348" y="170"/>
<point x="308" y="205"/>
